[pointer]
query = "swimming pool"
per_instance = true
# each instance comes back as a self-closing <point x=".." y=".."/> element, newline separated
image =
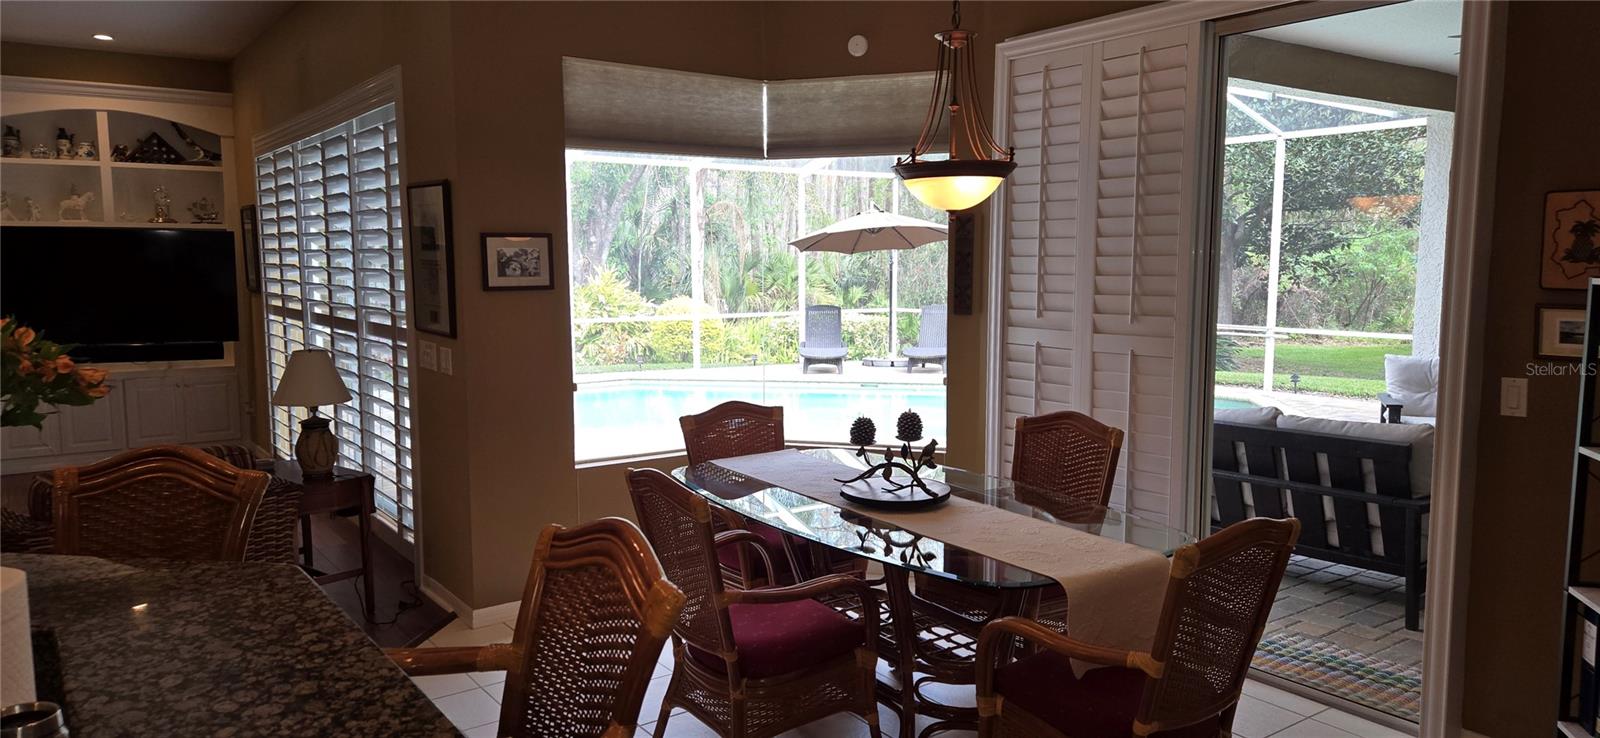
<point x="641" y="416"/>
<point x="633" y="417"/>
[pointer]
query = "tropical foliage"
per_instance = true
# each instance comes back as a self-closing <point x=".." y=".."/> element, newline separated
<point x="636" y="231"/>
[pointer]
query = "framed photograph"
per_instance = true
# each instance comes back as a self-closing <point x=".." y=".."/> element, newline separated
<point x="432" y="256"/>
<point x="250" y="232"/>
<point x="518" y="261"/>
<point x="1560" y="332"/>
<point x="1571" y="240"/>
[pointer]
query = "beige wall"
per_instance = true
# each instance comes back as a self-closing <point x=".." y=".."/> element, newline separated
<point x="1524" y="468"/>
<point x="483" y="108"/>
<point x="54" y="62"/>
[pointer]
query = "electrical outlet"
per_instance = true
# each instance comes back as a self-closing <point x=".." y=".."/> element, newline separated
<point x="427" y="355"/>
<point x="1514" y="396"/>
<point x="447" y="362"/>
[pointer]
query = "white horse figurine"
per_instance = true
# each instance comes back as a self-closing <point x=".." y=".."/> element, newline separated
<point x="75" y="203"/>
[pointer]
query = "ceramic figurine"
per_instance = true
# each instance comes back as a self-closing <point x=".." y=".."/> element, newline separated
<point x="119" y="152"/>
<point x="75" y="207"/>
<point x="5" y="207"/>
<point x="163" y="206"/>
<point x="203" y="211"/>
<point x="11" y="143"/>
<point x="41" y="151"/>
<point x="63" y="144"/>
<point x="35" y="213"/>
<point x="84" y="150"/>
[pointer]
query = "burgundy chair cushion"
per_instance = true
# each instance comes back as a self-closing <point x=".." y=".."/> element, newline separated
<point x="728" y="554"/>
<point x="785" y="638"/>
<point x="1103" y="702"/>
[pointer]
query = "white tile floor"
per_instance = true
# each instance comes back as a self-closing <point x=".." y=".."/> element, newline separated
<point x="472" y="703"/>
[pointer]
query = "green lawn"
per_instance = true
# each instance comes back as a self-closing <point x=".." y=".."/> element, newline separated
<point x="1340" y="386"/>
<point x="1355" y="361"/>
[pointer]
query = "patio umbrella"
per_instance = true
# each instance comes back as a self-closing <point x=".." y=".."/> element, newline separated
<point x="874" y="230"/>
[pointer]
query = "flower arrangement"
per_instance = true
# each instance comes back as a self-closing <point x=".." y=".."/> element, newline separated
<point x="33" y="371"/>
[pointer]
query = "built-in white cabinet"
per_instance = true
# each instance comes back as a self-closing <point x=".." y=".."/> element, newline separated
<point x="175" y="406"/>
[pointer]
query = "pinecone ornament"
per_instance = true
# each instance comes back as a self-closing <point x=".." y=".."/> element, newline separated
<point x="863" y="432"/>
<point x="909" y="427"/>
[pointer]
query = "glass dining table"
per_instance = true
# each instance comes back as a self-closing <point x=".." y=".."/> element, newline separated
<point x="925" y="635"/>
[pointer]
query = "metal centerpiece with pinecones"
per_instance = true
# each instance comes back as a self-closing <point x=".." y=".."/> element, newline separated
<point x="890" y="480"/>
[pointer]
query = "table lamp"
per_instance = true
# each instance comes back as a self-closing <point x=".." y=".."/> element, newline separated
<point x="310" y="381"/>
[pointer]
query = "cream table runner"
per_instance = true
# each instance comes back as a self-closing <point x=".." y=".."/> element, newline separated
<point x="1115" y="589"/>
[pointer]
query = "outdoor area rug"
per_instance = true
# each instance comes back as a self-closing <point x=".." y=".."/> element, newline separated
<point x="1382" y="685"/>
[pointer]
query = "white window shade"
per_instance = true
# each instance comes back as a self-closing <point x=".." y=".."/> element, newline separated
<point x="835" y="116"/>
<point x="622" y="107"/>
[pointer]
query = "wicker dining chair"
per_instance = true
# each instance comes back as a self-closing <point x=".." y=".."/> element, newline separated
<point x="1219" y="596"/>
<point x="1064" y="463"/>
<point x="754" y="663"/>
<point x="731" y="429"/>
<point x="168" y="502"/>
<point x="594" y="616"/>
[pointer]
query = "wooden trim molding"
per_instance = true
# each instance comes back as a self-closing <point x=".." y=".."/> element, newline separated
<point x="1466" y="283"/>
<point x="113" y="91"/>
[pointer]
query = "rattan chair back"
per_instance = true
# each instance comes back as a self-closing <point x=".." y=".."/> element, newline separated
<point x="731" y="429"/>
<point x="165" y="502"/>
<point x="594" y="617"/>
<point x="678" y="524"/>
<point x="1066" y="462"/>
<point x="1218" y="599"/>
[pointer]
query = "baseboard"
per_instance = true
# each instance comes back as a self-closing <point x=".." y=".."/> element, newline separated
<point x="474" y="618"/>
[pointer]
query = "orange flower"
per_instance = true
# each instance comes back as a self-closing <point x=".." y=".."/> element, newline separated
<point x="24" y="336"/>
<point x="25" y="367"/>
<point x="64" y="364"/>
<point x="48" y="371"/>
<point x="89" y="377"/>
<point x="98" y="391"/>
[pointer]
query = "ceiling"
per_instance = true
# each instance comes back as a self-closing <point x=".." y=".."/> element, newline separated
<point x="1415" y="34"/>
<point x="195" y="30"/>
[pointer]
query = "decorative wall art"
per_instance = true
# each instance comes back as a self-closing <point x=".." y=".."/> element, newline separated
<point x="250" y="232"/>
<point x="432" y="256"/>
<point x="1559" y="331"/>
<point x="1571" y="240"/>
<point x="518" y="261"/>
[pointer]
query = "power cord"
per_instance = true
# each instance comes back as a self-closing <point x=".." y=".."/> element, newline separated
<point x="408" y="586"/>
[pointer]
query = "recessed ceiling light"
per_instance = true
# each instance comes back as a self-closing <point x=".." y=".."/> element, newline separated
<point x="103" y="37"/>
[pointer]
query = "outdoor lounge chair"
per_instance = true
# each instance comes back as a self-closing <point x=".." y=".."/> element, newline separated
<point x="931" y="339"/>
<point x="824" y="342"/>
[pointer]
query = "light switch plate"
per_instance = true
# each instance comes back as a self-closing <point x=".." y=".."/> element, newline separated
<point x="1514" y="396"/>
<point x="427" y="355"/>
<point x="447" y="363"/>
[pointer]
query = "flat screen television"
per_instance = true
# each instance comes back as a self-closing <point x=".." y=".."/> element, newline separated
<point x="122" y="294"/>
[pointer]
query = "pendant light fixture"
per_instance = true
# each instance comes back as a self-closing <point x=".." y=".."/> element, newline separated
<point x="956" y="183"/>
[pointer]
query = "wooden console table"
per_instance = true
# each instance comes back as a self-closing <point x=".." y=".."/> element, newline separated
<point x="347" y="488"/>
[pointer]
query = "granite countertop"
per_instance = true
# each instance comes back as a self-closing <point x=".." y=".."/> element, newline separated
<point x="214" y="649"/>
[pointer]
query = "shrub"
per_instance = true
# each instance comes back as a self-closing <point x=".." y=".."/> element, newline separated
<point x="673" y="341"/>
<point x="866" y="335"/>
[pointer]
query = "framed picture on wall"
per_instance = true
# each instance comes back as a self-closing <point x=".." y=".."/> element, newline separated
<point x="432" y="256"/>
<point x="1560" y="332"/>
<point x="518" y="261"/>
<point x="1571" y="240"/>
<point x="250" y="233"/>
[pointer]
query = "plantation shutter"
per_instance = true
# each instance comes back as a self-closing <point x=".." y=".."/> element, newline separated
<point x="1097" y="257"/>
<point x="333" y="277"/>
<point x="1045" y="113"/>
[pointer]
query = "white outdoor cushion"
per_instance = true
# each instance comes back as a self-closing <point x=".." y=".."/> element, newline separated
<point x="1413" y="381"/>
<point x="1419" y="436"/>
<point x="1262" y="416"/>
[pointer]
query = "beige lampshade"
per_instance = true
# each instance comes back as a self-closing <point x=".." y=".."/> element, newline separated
<point x="310" y="380"/>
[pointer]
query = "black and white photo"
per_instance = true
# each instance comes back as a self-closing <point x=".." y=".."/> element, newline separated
<point x="518" y="261"/>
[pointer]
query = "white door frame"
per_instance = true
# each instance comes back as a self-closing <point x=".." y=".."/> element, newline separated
<point x="1461" y="331"/>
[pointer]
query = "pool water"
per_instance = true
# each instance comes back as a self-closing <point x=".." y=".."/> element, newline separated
<point x="641" y="416"/>
<point x="637" y="417"/>
<point x="1226" y="404"/>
